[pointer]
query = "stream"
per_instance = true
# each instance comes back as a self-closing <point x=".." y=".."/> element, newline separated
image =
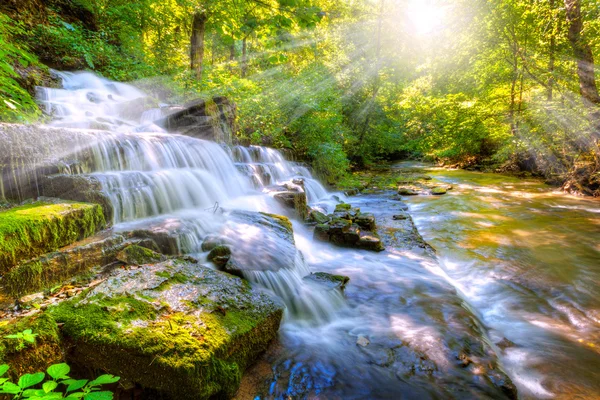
<point x="511" y="289"/>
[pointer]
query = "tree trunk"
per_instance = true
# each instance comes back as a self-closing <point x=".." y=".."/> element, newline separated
<point x="583" y="54"/>
<point x="552" y="51"/>
<point x="231" y="55"/>
<point x="244" y="57"/>
<point x="197" y="43"/>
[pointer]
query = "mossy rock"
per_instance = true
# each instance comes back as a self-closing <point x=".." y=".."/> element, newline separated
<point x="318" y="217"/>
<point x="404" y="191"/>
<point x="138" y="255"/>
<point x="343" y="207"/>
<point x="33" y="357"/>
<point x="220" y="255"/>
<point x="56" y="267"/>
<point x="34" y="229"/>
<point x="328" y="281"/>
<point x="438" y="191"/>
<point x="175" y="327"/>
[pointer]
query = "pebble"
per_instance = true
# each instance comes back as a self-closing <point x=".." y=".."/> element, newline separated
<point x="362" y="341"/>
<point x="32" y="298"/>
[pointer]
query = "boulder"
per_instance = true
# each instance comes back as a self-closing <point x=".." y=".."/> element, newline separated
<point x="404" y="191"/>
<point x="321" y="233"/>
<point x="31" y="152"/>
<point x="328" y="281"/>
<point x="342" y="207"/>
<point x="138" y="255"/>
<point x="53" y="268"/>
<point x="294" y="200"/>
<point x="40" y="227"/>
<point x="176" y="327"/>
<point x="210" y="119"/>
<point x="220" y="255"/>
<point x="366" y="221"/>
<point x="370" y="241"/>
<point x="212" y="241"/>
<point x="77" y="188"/>
<point x="438" y="191"/>
<point x="318" y="217"/>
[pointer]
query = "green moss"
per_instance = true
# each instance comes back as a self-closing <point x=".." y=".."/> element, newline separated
<point x="138" y="255"/>
<point x="190" y="347"/>
<point x="34" y="229"/>
<point x="343" y="207"/>
<point x="47" y="350"/>
<point x="284" y="221"/>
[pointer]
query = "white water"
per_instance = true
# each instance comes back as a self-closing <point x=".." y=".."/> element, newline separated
<point x="179" y="183"/>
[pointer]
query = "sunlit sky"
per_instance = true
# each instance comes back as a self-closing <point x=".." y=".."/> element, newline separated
<point x="426" y="15"/>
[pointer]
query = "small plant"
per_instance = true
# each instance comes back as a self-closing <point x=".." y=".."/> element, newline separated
<point x="27" y="336"/>
<point x="57" y="376"/>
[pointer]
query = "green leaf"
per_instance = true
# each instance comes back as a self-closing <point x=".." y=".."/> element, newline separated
<point x="10" y="388"/>
<point x="59" y="371"/>
<point x="78" y="384"/>
<point x="4" y="368"/>
<point x="28" y="380"/>
<point x="99" y="396"/>
<point x="49" y="386"/>
<point x="32" y="393"/>
<point x="104" y="380"/>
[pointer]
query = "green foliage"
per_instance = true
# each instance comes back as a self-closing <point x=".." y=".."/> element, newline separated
<point x="57" y="385"/>
<point x="22" y="338"/>
<point x="16" y="104"/>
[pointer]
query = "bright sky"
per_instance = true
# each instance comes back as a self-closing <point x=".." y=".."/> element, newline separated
<point x="426" y="15"/>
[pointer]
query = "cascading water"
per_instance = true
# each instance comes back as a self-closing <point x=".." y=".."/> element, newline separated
<point x="153" y="177"/>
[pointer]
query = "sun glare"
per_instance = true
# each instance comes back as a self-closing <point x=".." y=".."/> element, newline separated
<point x="426" y="16"/>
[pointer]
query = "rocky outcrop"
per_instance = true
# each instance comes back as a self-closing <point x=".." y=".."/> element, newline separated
<point x="291" y="195"/>
<point x="347" y="227"/>
<point x="34" y="229"/>
<point x="269" y="247"/>
<point x="210" y="119"/>
<point x="176" y="327"/>
<point x="31" y="152"/>
<point x="328" y="281"/>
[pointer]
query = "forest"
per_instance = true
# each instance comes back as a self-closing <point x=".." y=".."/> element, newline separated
<point x="506" y="85"/>
<point x="299" y="199"/>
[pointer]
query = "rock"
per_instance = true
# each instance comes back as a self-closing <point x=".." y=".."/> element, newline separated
<point x="318" y="217"/>
<point x="137" y="255"/>
<point x="343" y="207"/>
<point x="23" y="165"/>
<point x="370" y="241"/>
<point x="175" y="327"/>
<point x="40" y="227"/>
<point x="270" y="247"/>
<point x="82" y="188"/>
<point x="366" y="221"/>
<point x="32" y="298"/>
<point x="400" y="217"/>
<point x="328" y="281"/>
<point x="403" y="191"/>
<point x="338" y="226"/>
<point x="210" y="119"/>
<point x="212" y="241"/>
<point x="321" y="233"/>
<point x="438" y="191"/>
<point x="164" y="232"/>
<point x="220" y="255"/>
<point x="505" y="344"/>
<point x="362" y="341"/>
<point x="348" y="238"/>
<point x="351" y="192"/>
<point x="294" y="200"/>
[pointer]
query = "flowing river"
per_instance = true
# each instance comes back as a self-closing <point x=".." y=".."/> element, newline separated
<point x="510" y="291"/>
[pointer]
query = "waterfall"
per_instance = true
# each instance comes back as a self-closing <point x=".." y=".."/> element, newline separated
<point x="176" y="182"/>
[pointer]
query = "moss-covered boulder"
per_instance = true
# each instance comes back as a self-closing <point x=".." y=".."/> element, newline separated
<point x="138" y="255"/>
<point x="34" y="229"/>
<point x="83" y="188"/>
<point x="175" y="327"/>
<point x="52" y="268"/>
<point x="343" y="207"/>
<point x="438" y="191"/>
<point x="318" y="217"/>
<point x="405" y="191"/>
<point x="220" y="255"/>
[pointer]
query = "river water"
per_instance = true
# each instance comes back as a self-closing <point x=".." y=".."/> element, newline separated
<point x="515" y="262"/>
<point x="527" y="260"/>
